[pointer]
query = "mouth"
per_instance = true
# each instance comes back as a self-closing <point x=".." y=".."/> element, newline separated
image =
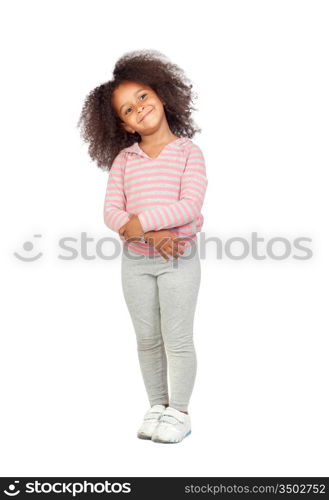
<point x="146" y="114"/>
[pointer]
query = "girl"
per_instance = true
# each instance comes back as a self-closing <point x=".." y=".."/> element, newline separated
<point x="139" y="127"/>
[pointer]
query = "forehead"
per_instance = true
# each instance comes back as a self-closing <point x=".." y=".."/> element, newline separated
<point x="126" y="91"/>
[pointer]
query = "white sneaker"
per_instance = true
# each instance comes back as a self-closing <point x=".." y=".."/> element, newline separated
<point x="151" y="420"/>
<point x="173" y="426"/>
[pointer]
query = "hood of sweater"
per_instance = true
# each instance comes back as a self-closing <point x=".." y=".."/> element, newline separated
<point x="181" y="142"/>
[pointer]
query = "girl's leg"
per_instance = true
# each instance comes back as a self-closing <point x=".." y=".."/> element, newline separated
<point x="141" y="295"/>
<point x="178" y="292"/>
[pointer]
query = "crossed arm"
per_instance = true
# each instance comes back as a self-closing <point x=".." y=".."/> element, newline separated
<point x="193" y="188"/>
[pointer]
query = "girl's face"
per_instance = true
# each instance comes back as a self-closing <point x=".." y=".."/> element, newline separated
<point x="138" y="107"/>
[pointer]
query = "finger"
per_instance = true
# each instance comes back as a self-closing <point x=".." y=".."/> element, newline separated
<point x="176" y="254"/>
<point x="164" y="255"/>
<point x="170" y="249"/>
<point x="179" y="242"/>
<point x="164" y="241"/>
<point x="127" y="238"/>
<point x="182" y="247"/>
<point x="161" y="244"/>
<point x="179" y="248"/>
<point x="134" y="238"/>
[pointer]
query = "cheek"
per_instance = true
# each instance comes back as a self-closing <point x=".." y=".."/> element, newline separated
<point x="130" y="119"/>
<point x="159" y="111"/>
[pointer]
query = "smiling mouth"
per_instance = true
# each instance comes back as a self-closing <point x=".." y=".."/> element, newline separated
<point x="146" y="115"/>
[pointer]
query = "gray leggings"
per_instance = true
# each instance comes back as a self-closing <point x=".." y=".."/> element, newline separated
<point x="161" y="297"/>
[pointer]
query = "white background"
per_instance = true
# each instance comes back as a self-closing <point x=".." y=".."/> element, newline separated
<point x="71" y="389"/>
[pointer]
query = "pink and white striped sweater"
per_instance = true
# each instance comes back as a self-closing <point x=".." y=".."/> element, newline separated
<point x="166" y="192"/>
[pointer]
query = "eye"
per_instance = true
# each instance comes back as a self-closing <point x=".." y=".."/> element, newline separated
<point x="140" y="97"/>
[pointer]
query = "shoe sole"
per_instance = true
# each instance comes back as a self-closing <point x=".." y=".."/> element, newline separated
<point x="172" y="442"/>
<point x="143" y="436"/>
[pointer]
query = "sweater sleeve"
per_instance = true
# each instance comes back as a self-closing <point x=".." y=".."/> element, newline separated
<point x="193" y="189"/>
<point x="115" y="215"/>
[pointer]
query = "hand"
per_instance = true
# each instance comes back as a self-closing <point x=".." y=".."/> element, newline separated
<point x="166" y="242"/>
<point x="133" y="229"/>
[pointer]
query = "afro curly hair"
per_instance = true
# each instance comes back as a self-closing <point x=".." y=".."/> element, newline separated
<point x="99" y="122"/>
